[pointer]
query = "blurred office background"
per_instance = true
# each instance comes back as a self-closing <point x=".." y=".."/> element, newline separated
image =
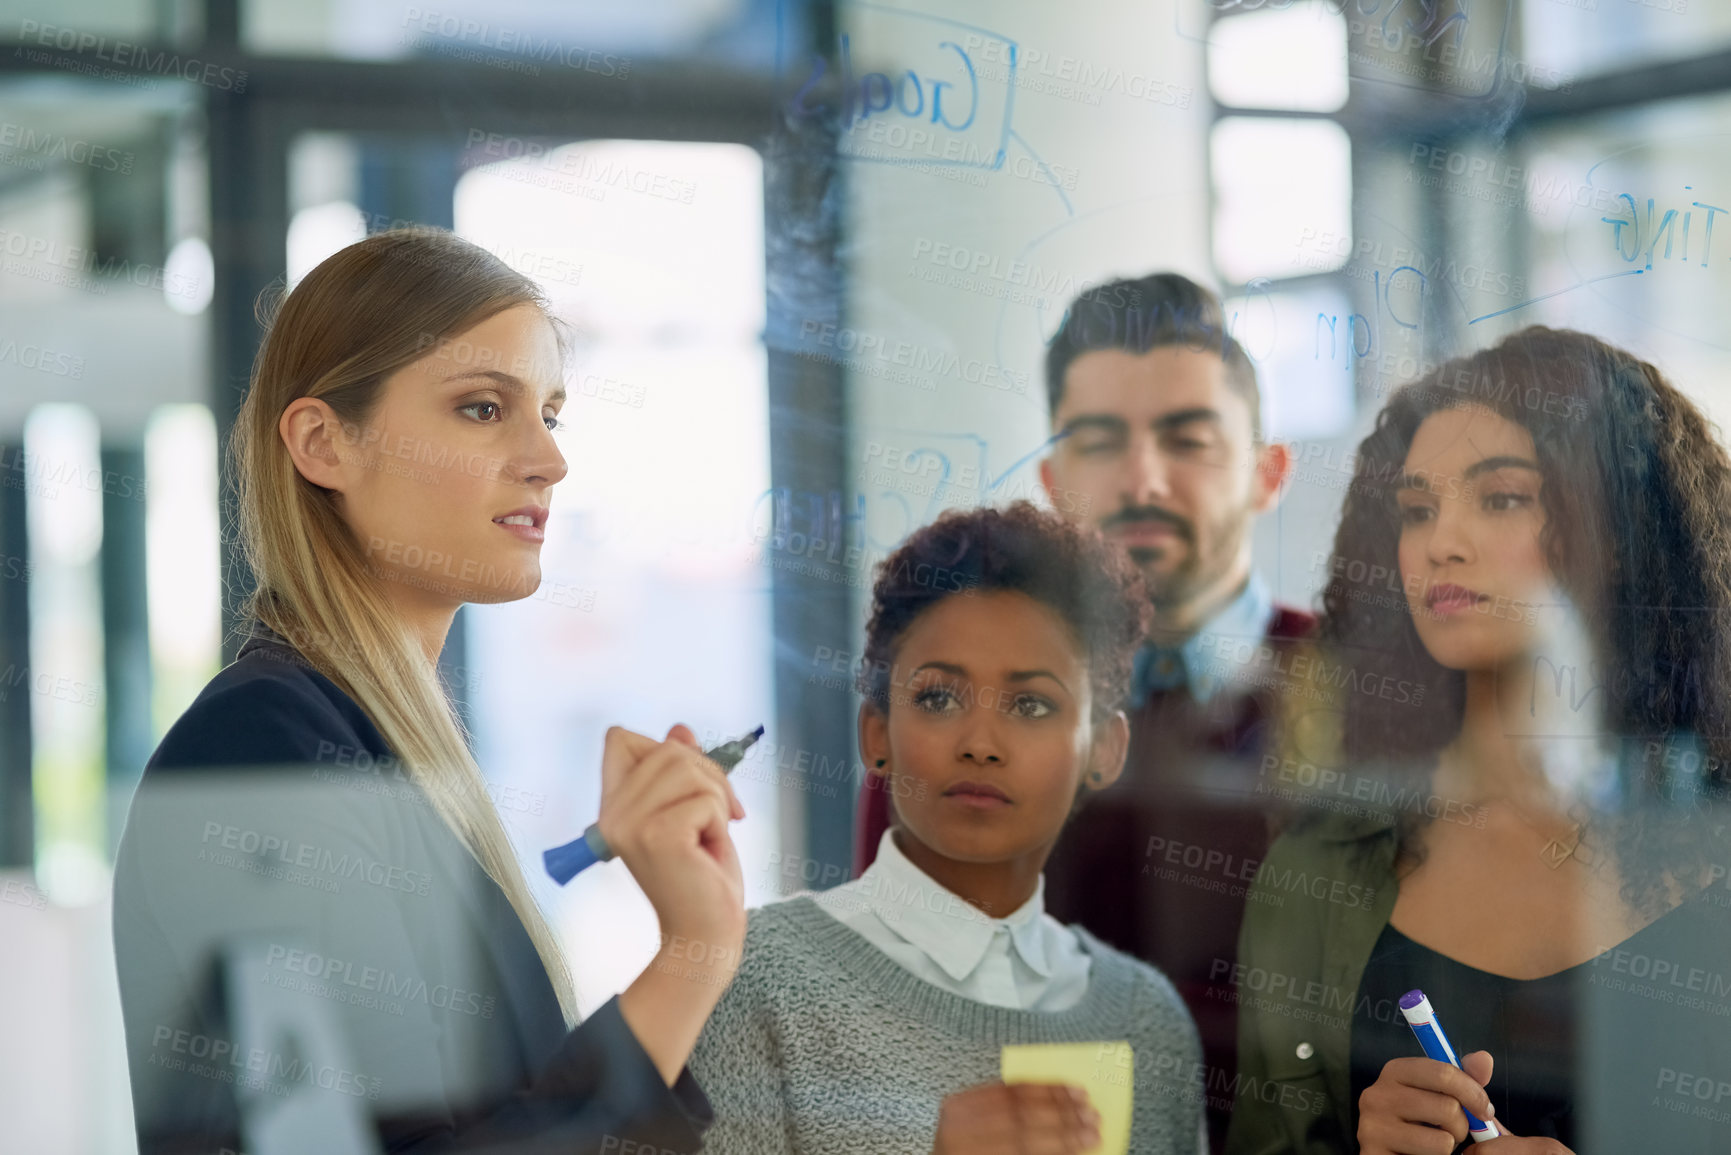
<point x="813" y="252"/>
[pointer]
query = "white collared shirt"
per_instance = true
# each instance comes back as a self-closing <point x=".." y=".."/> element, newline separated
<point x="1027" y="960"/>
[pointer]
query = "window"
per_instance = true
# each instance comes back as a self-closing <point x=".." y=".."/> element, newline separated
<point x="651" y="609"/>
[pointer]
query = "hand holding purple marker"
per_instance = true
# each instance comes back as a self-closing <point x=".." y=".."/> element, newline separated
<point x="1422" y="1019"/>
<point x="565" y="862"/>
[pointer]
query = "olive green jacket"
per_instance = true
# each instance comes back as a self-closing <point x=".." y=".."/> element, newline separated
<point x="1320" y="900"/>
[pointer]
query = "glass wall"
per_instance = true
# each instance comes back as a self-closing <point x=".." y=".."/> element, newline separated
<point x="809" y="264"/>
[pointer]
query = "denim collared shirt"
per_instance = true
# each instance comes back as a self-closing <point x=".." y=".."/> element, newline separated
<point x="1208" y="658"/>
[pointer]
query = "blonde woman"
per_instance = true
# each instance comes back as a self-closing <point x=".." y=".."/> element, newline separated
<point x="323" y="936"/>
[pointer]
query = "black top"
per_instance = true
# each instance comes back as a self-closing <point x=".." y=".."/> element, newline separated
<point x="1612" y="1055"/>
<point x="309" y="959"/>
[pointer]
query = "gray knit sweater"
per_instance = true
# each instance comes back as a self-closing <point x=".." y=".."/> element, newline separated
<point x="823" y="1044"/>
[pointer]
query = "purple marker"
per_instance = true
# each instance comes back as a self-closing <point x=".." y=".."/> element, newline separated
<point x="1423" y="1021"/>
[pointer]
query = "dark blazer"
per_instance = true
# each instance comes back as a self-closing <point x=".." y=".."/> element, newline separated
<point x="310" y="959"/>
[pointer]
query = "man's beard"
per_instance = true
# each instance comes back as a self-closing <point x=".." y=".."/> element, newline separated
<point x="1198" y="569"/>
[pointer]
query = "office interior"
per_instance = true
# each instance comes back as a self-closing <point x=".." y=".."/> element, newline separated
<point x="812" y="253"/>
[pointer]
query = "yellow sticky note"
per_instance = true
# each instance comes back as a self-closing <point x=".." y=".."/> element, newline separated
<point x="1105" y="1070"/>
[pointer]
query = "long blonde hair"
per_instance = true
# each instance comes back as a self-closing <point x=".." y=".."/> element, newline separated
<point x="364" y="313"/>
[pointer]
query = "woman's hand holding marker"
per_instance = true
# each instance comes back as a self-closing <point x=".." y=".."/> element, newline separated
<point x="664" y="811"/>
<point x="1418" y="1107"/>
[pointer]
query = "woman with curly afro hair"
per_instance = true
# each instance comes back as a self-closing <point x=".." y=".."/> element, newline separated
<point x="1514" y="800"/>
<point x="872" y="1016"/>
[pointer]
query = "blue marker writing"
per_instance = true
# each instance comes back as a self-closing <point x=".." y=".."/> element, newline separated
<point x="565" y="862"/>
<point x="1423" y="1021"/>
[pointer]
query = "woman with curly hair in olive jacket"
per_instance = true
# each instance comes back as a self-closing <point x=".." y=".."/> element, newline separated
<point x="1520" y="788"/>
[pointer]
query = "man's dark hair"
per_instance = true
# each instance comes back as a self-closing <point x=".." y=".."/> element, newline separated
<point x="1152" y="312"/>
